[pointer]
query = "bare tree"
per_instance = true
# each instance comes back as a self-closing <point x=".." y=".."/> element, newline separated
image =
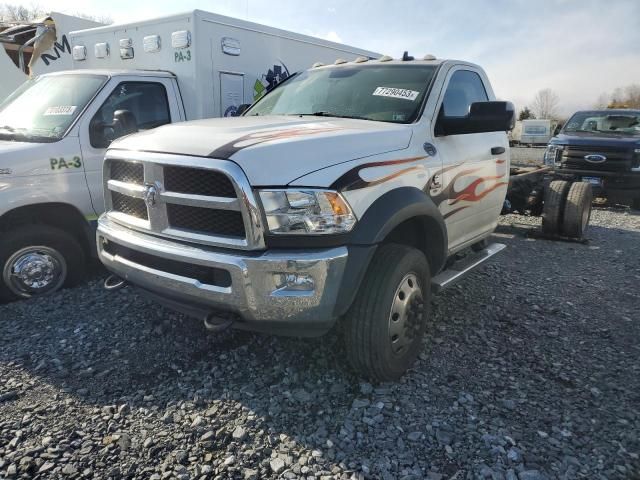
<point x="602" y="102"/>
<point x="545" y="104"/>
<point x="622" y="97"/>
<point x="19" y="13"/>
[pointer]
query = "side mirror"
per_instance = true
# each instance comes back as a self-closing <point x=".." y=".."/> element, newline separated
<point x="482" y="117"/>
<point x="124" y="122"/>
<point x="241" y="109"/>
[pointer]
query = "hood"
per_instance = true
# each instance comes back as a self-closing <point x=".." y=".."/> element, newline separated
<point x="16" y="157"/>
<point x="274" y="150"/>
<point x="596" y="140"/>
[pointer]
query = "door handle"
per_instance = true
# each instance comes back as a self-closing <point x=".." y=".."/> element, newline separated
<point x="497" y="150"/>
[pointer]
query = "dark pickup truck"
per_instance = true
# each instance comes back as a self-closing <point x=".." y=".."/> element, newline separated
<point x="601" y="147"/>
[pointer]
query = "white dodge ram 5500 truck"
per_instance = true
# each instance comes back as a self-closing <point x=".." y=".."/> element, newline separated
<point x="345" y="194"/>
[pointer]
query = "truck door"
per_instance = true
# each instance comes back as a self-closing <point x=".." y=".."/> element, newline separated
<point x="475" y="166"/>
<point x="151" y="101"/>
<point x="231" y="93"/>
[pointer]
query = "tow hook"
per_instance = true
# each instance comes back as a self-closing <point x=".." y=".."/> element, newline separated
<point x="113" y="283"/>
<point x="216" y="323"/>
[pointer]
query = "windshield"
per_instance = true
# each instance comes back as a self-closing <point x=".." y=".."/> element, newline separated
<point x="617" y="123"/>
<point x="42" y="109"/>
<point x="386" y="93"/>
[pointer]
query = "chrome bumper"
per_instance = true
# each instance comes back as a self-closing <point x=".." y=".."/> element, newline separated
<point x="255" y="294"/>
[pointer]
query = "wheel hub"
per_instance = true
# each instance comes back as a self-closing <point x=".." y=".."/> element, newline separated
<point x="34" y="271"/>
<point x="405" y="318"/>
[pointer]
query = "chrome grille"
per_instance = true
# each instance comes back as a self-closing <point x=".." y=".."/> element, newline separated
<point x="208" y="220"/>
<point x="134" y="207"/>
<point x="198" y="182"/>
<point x="127" y="172"/>
<point x="193" y="199"/>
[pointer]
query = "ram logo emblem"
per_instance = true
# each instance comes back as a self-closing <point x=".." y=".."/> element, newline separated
<point x="149" y="195"/>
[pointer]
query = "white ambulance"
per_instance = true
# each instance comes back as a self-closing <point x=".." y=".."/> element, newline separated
<point x="127" y="78"/>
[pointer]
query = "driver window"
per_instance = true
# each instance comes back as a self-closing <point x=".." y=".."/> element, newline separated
<point x="465" y="87"/>
<point x="147" y="102"/>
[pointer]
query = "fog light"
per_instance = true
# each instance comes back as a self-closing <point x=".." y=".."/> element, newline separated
<point x="293" y="282"/>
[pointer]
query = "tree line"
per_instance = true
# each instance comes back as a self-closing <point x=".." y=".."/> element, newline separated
<point x="11" y="13"/>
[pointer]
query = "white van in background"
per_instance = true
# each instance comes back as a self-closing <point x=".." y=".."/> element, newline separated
<point x="55" y="128"/>
<point x="46" y="39"/>
<point x="537" y="132"/>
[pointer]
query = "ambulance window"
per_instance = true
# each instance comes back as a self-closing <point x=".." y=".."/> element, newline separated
<point x="465" y="87"/>
<point x="147" y="102"/>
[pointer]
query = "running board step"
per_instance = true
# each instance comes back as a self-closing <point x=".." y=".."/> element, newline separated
<point x="458" y="270"/>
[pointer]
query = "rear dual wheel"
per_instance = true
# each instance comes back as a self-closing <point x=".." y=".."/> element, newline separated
<point x="567" y="208"/>
<point x="577" y="210"/>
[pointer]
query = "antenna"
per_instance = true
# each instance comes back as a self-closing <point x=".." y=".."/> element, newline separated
<point x="406" y="57"/>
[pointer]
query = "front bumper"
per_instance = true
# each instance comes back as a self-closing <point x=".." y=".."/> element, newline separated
<point x="252" y="289"/>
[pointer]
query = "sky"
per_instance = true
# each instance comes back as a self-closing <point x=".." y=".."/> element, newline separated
<point x="578" y="48"/>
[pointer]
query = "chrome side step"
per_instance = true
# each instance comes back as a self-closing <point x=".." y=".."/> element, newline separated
<point x="458" y="270"/>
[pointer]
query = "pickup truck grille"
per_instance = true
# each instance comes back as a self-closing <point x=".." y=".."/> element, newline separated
<point x="215" y="222"/>
<point x="134" y="207"/>
<point x="618" y="159"/>
<point x="127" y="172"/>
<point x="205" y="182"/>
<point x="191" y="199"/>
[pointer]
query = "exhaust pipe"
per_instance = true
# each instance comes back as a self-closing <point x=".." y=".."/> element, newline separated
<point x="113" y="283"/>
<point x="213" y="322"/>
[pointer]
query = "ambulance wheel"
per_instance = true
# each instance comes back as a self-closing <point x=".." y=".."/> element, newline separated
<point x="555" y="196"/>
<point x="37" y="260"/>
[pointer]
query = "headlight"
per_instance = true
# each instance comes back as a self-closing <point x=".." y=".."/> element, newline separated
<point x="316" y="212"/>
<point x="552" y="155"/>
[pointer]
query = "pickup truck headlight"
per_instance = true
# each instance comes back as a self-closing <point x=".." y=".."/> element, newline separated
<point x="315" y="212"/>
<point x="552" y="155"/>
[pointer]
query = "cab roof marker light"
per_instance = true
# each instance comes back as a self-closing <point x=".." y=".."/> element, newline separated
<point x="151" y="43"/>
<point x="340" y="61"/>
<point x="361" y="60"/>
<point x="317" y="64"/>
<point x="181" y="39"/>
<point x="101" y="50"/>
<point x="79" y="52"/>
<point x="428" y="56"/>
<point x="385" y="58"/>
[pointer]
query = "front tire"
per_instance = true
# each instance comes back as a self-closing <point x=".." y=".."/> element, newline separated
<point x="385" y="325"/>
<point x="37" y="260"/>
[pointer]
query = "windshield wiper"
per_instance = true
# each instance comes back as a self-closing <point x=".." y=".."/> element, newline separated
<point x="329" y="114"/>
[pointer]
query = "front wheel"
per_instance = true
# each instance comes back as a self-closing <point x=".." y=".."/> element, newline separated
<point x="37" y="260"/>
<point x="385" y="325"/>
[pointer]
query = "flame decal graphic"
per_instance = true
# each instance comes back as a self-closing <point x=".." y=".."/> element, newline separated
<point x="352" y="180"/>
<point x="470" y="192"/>
<point x="226" y="151"/>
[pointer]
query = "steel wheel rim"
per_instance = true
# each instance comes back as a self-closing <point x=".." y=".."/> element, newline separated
<point x="34" y="270"/>
<point x="405" y="317"/>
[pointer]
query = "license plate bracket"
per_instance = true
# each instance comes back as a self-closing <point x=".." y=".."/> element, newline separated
<point x="595" y="181"/>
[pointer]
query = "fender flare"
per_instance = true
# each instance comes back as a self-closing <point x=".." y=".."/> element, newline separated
<point x="396" y="207"/>
<point x="380" y="219"/>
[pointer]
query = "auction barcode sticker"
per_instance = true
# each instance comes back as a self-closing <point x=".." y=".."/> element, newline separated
<point x="396" y="93"/>
<point x="61" y="110"/>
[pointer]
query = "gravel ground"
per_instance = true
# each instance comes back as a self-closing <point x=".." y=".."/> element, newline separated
<point x="531" y="370"/>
